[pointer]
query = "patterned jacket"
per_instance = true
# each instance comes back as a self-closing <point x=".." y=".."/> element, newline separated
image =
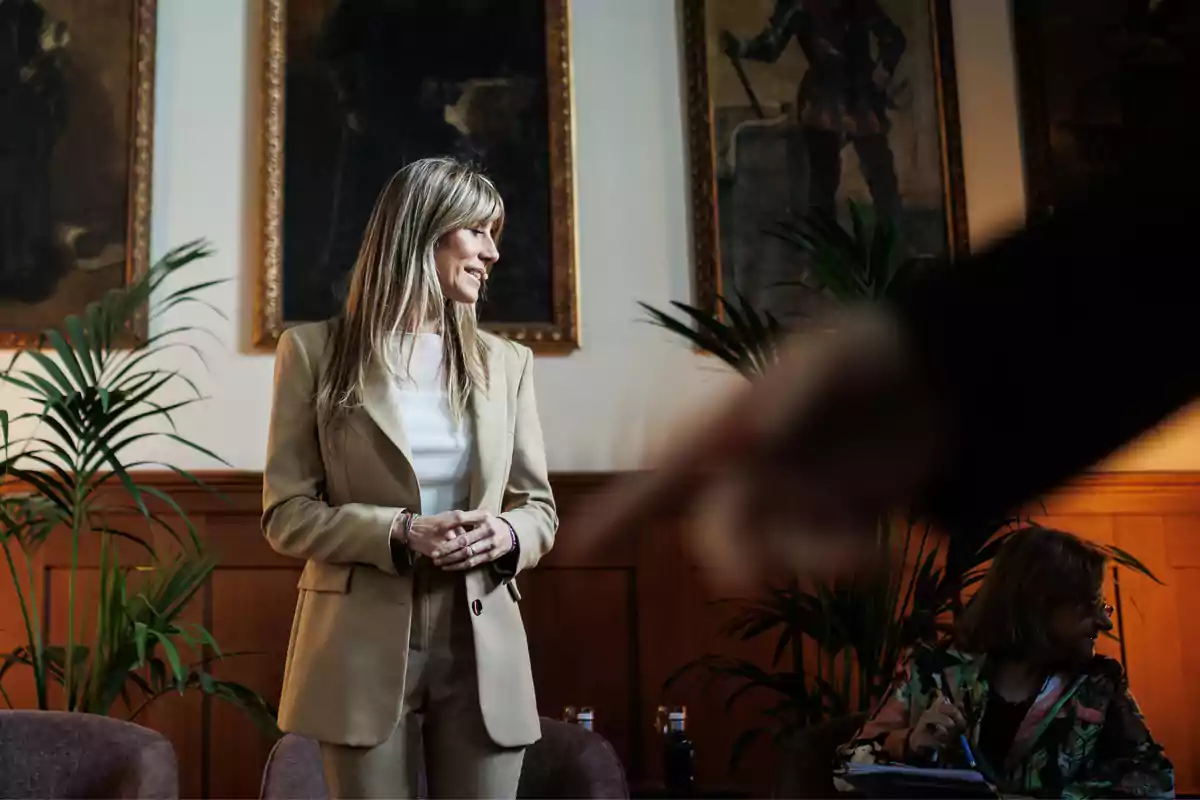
<point x="1082" y="737"/>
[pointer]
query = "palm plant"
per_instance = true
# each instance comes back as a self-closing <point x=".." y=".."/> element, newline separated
<point x="862" y="264"/>
<point x="859" y="627"/>
<point x="68" y="475"/>
<point x="747" y="342"/>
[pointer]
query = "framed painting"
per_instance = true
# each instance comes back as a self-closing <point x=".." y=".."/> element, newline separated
<point x="356" y="89"/>
<point x="796" y="105"/>
<point x="76" y="124"/>
<point x="1071" y="56"/>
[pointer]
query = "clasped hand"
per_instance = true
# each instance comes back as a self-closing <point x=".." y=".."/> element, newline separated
<point x="460" y="540"/>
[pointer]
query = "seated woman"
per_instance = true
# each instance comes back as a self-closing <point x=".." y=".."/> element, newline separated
<point x="1043" y="713"/>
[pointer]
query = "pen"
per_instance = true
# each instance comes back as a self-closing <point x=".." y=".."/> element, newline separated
<point x="962" y="738"/>
<point x="966" y="746"/>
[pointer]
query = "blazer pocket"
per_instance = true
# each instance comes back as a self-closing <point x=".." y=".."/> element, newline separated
<point x="321" y="577"/>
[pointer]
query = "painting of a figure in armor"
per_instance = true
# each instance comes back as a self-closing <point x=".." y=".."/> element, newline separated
<point x="76" y="84"/>
<point x="799" y="106"/>
<point x="357" y="89"/>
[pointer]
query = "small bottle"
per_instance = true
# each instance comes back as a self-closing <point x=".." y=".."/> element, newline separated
<point x="679" y="756"/>
<point x="585" y="718"/>
<point x="569" y="714"/>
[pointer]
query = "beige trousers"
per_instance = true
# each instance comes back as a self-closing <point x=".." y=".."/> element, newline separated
<point x="441" y="726"/>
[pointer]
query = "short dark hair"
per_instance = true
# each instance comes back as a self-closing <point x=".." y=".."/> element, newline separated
<point x="1036" y="571"/>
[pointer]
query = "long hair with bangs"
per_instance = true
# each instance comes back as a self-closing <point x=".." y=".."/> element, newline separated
<point x="394" y="286"/>
<point x="1036" y="571"/>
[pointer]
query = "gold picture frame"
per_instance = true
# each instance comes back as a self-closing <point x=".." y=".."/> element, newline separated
<point x="560" y="334"/>
<point x="130" y="201"/>
<point x="941" y="97"/>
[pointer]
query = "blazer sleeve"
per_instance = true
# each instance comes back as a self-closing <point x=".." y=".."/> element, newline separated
<point x="528" y="501"/>
<point x="297" y="520"/>
<point x="1128" y="761"/>
<point x="884" y="735"/>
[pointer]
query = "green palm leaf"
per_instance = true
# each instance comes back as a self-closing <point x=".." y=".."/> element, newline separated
<point x="92" y="401"/>
<point x="747" y="343"/>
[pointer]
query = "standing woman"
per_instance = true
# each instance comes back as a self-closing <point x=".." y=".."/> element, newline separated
<point x="406" y="466"/>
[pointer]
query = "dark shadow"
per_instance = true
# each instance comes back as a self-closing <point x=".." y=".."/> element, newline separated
<point x="64" y="155"/>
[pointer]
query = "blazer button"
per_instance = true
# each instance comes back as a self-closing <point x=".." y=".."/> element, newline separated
<point x="477" y="607"/>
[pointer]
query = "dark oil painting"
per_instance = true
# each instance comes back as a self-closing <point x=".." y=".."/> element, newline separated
<point x="75" y="82"/>
<point x="1075" y="61"/>
<point x="372" y="85"/>
<point x="798" y="105"/>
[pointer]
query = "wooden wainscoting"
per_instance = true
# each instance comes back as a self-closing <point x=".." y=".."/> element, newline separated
<point x="606" y="630"/>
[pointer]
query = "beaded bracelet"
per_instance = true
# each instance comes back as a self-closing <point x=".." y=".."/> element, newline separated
<point x="512" y="532"/>
<point x="409" y="519"/>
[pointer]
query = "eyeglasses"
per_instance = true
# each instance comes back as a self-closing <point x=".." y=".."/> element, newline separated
<point x="1098" y="607"/>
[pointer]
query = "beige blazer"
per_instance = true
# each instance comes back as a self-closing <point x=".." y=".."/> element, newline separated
<point x="330" y="494"/>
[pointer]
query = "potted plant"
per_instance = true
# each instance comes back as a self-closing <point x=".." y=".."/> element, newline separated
<point x="65" y="471"/>
<point x="862" y="264"/>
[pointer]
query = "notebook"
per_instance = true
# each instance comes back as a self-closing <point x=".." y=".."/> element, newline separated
<point x="902" y="781"/>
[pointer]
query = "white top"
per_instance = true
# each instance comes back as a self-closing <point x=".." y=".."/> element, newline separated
<point x="441" y="451"/>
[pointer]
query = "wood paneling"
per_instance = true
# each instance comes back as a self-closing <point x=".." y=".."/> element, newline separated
<point x="607" y="629"/>
<point x="583" y="645"/>
<point x="1154" y="640"/>
<point x="240" y="600"/>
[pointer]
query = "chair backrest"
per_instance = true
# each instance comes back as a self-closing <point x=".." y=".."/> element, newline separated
<point x="567" y="761"/>
<point x="571" y="761"/>
<point x="294" y="771"/>
<point x="55" y="754"/>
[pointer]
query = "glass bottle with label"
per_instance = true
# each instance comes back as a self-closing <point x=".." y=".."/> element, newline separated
<point x="585" y="718"/>
<point x="679" y="755"/>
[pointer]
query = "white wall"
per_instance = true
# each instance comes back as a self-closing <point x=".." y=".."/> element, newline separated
<point x="606" y="405"/>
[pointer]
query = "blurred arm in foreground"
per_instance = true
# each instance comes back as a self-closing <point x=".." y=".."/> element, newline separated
<point x="992" y="381"/>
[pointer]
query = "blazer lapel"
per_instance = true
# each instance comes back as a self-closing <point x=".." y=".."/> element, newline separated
<point x="487" y="409"/>
<point x="382" y="404"/>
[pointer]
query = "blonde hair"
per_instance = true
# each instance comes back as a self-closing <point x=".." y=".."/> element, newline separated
<point x="394" y="288"/>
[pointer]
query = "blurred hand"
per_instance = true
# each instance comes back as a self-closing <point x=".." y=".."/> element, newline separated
<point x="430" y="534"/>
<point x="938" y="727"/>
<point x="489" y="539"/>
<point x="794" y="473"/>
